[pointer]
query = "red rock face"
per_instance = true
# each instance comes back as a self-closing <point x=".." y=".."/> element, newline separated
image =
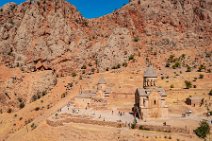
<point x="55" y="35"/>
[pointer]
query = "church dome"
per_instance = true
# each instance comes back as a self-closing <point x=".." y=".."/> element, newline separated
<point x="102" y="81"/>
<point x="150" y="72"/>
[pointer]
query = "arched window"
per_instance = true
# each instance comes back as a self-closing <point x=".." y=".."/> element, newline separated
<point x="155" y="102"/>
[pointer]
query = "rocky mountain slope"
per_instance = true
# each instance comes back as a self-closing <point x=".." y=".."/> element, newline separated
<point x="52" y="35"/>
<point x="52" y="39"/>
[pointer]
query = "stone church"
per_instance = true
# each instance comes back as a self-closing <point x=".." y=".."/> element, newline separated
<point x="150" y="100"/>
<point x="94" y="97"/>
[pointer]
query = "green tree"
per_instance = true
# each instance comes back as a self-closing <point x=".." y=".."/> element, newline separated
<point x="83" y="67"/>
<point x="203" y="129"/>
<point x="133" y="125"/>
<point x="188" y="84"/>
<point x="201" y="76"/>
<point x="131" y="57"/>
<point x="74" y="74"/>
<point x="188" y="69"/>
<point x="21" y="105"/>
<point x="136" y="39"/>
<point x="201" y="67"/>
<point x="176" y="65"/>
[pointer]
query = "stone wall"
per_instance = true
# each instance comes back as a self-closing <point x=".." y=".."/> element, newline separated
<point x="168" y="129"/>
<point x="85" y="121"/>
<point x="122" y="95"/>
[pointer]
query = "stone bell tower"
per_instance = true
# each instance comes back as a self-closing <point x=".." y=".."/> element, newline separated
<point x="150" y="78"/>
<point x="101" y="87"/>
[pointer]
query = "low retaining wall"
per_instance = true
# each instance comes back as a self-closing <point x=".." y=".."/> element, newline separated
<point x="85" y="121"/>
<point x="168" y="129"/>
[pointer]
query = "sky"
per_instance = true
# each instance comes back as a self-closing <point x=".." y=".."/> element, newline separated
<point x="88" y="8"/>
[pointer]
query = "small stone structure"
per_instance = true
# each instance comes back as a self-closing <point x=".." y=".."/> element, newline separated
<point x="150" y="100"/>
<point x="94" y="97"/>
<point x="194" y="101"/>
<point x="102" y="89"/>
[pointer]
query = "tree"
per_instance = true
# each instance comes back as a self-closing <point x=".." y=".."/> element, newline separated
<point x="34" y="98"/>
<point x="176" y="65"/>
<point x="9" y="110"/>
<point x="201" y="76"/>
<point x="83" y="67"/>
<point x="74" y="74"/>
<point x="188" y="69"/>
<point x="201" y="67"/>
<point x="21" y="105"/>
<point x="124" y="64"/>
<point x="188" y="84"/>
<point x="133" y="125"/>
<point x="136" y="39"/>
<point x="203" y="129"/>
<point x="131" y="57"/>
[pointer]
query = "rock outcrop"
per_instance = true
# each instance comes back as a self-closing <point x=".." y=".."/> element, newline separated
<point x="52" y="34"/>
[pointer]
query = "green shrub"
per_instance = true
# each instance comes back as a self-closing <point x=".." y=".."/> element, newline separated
<point x="118" y="66"/>
<point x="37" y="108"/>
<point x="171" y="58"/>
<point x="201" y="68"/>
<point x="93" y="70"/>
<point x="176" y="65"/>
<point x="140" y="127"/>
<point x="33" y="126"/>
<point x="201" y="76"/>
<point x="83" y="72"/>
<point x="203" y="129"/>
<point x="172" y="86"/>
<point x="188" y="69"/>
<point x="188" y="84"/>
<point x="44" y="93"/>
<point x="74" y="74"/>
<point x="133" y="126"/>
<point x="124" y="64"/>
<point x="63" y="95"/>
<point x="83" y="67"/>
<point x="9" y="110"/>
<point x="21" y="105"/>
<point x="167" y="65"/>
<point x="131" y="57"/>
<point x="90" y="64"/>
<point x="136" y="39"/>
<point x="20" y="100"/>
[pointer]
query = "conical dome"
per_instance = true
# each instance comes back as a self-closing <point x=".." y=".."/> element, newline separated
<point x="102" y="81"/>
<point x="150" y="72"/>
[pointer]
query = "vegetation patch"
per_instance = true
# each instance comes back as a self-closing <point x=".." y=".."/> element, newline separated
<point x="203" y="130"/>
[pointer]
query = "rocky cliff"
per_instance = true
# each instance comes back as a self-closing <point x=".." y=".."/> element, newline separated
<point x="52" y="34"/>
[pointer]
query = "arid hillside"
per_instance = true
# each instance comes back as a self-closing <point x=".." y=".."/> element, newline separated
<point x="49" y="51"/>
